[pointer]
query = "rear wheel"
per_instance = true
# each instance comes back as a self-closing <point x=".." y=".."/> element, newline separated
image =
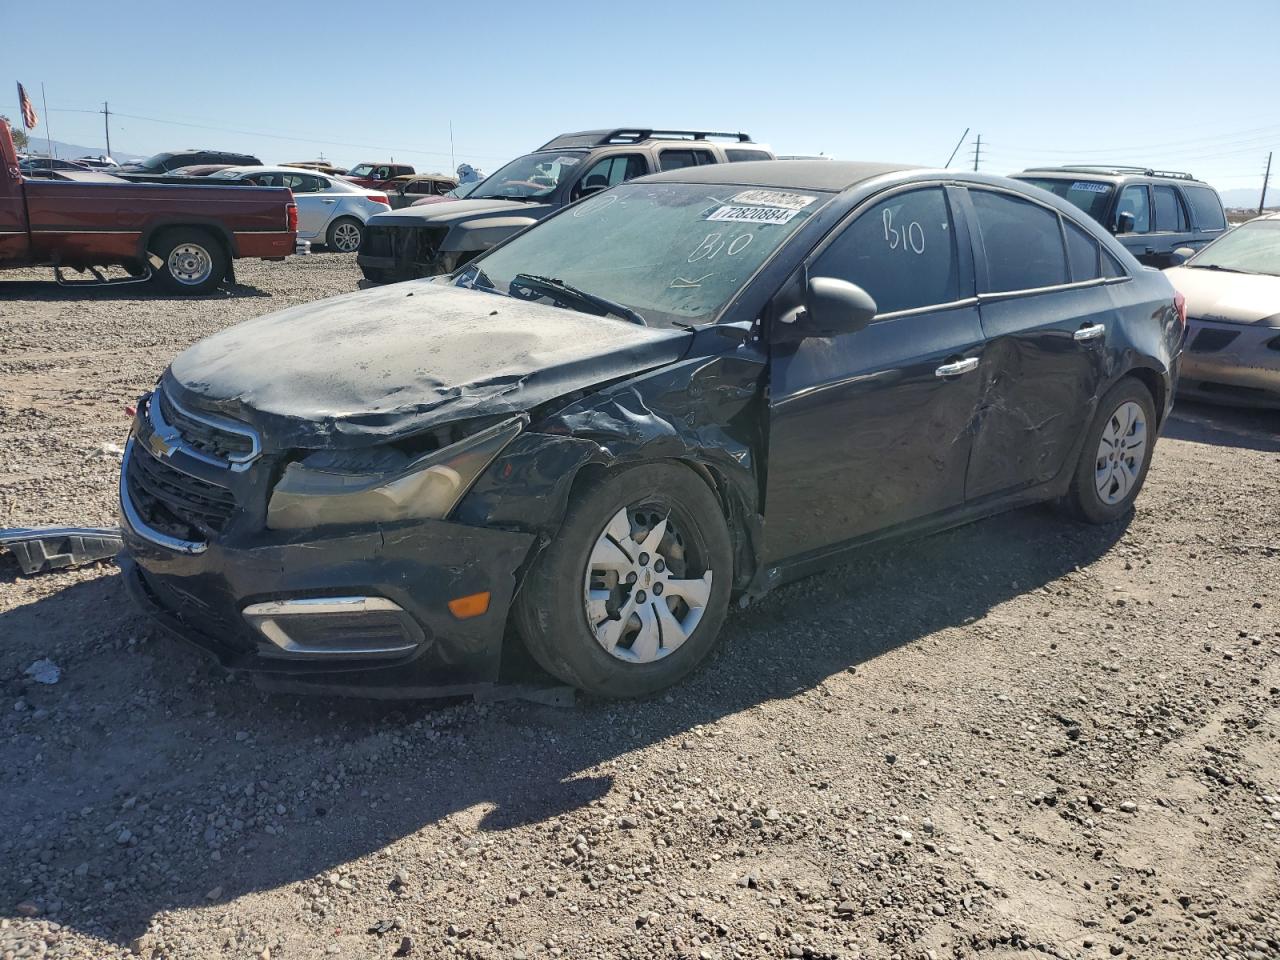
<point x="375" y="274"/>
<point x="630" y="596"/>
<point x="193" y="260"/>
<point x="345" y="235"/>
<point x="1116" y="454"/>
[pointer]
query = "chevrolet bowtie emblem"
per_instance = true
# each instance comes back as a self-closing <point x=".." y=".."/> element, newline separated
<point x="160" y="446"/>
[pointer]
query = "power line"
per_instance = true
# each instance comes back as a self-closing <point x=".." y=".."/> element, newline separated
<point x="278" y="136"/>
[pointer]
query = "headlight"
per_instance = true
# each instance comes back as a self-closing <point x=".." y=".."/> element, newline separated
<point x="325" y="489"/>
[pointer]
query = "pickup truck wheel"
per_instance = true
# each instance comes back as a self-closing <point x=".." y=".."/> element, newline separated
<point x="345" y="235"/>
<point x="194" y="261"/>
<point x="375" y="274"/>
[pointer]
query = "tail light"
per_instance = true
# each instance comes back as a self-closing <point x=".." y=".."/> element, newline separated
<point x="379" y="198"/>
<point x="291" y="217"/>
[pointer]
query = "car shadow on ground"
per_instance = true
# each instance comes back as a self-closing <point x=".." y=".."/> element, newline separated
<point x="50" y="291"/>
<point x="147" y="738"/>
<point x="1224" y="426"/>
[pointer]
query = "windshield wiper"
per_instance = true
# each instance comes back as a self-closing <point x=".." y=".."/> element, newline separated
<point x="1218" y="266"/>
<point x="558" y="289"/>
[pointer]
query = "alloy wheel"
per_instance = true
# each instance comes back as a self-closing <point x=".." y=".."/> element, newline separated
<point x="645" y="591"/>
<point x="1122" y="452"/>
<point x="346" y="237"/>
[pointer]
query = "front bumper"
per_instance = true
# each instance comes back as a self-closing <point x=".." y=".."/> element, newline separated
<point x="402" y="252"/>
<point x="278" y="603"/>
<point x="1231" y="363"/>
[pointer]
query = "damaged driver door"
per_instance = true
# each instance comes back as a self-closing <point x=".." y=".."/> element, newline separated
<point x="872" y="429"/>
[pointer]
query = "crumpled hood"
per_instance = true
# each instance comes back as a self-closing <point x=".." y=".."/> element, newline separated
<point x="453" y="211"/>
<point x="388" y="362"/>
<point x="1228" y="297"/>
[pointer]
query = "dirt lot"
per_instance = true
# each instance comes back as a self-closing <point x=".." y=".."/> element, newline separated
<point x="1021" y="735"/>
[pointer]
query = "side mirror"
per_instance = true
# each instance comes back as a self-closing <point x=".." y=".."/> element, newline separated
<point x="1180" y="256"/>
<point x="1125" y="222"/>
<point x="834" y="307"/>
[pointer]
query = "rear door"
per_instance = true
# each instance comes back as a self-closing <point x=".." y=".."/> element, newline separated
<point x="871" y="429"/>
<point x="1046" y="317"/>
<point x="1208" y="219"/>
<point x="315" y="206"/>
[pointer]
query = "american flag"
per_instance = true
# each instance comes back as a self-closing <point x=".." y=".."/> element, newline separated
<point x="29" y="117"/>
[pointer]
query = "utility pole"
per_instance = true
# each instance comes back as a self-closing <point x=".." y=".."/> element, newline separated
<point x="453" y="166"/>
<point x="977" y="152"/>
<point x="106" y="124"/>
<point x="1262" y="201"/>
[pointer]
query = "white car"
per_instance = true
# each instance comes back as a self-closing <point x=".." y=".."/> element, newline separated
<point x="330" y="211"/>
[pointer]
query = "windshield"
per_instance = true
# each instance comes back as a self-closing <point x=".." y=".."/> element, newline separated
<point x="156" y="162"/>
<point x="1252" y="247"/>
<point x="1091" y="196"/>
<point x="534" y="175"/>
<point x="675" y="253"/>
<point x="361" y="170"/>
<point x="463" y="190"/>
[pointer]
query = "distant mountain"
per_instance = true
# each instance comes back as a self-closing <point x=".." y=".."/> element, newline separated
<point x="1248" y="196"/>
<point x="70" y="151"/>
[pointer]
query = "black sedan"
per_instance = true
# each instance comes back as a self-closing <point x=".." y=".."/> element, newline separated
<point x="692" y="387"/>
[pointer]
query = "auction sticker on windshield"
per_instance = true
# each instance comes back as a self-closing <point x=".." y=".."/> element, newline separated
<point x="773" y="198"/>
<point x="752" y="214"/>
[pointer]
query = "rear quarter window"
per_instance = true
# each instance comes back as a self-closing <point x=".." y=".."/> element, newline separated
<point x="737" y="155"/>
<point x="1206" y="208"/>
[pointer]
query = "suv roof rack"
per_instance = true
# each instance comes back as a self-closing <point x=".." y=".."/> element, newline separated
<point x="602" y="138"/>
<point x="1117" y="170"/>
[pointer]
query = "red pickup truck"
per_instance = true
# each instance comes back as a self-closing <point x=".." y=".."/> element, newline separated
<point x="184" y="237"/>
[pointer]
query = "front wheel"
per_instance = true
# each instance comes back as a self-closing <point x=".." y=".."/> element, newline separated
<point x="630" y="596"/>
<point x="1116" y="454"/>
<point x="345" y="235"/>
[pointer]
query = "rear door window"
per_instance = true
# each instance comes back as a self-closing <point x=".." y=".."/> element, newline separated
<point x="738" y="154"/>
<point x="901" y="251"/>
<point x="1170" y="217"/>
<point x="1134" y="200"/>
<point x="678" y="159"/>
<point x="1206" y="208"/>
<point x="1022" y="240"/>
<point x="1082" y="252"/>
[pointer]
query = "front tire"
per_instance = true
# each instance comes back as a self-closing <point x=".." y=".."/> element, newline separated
<point x="1116" y="455"/>
<point x="193" y="260"/>
<point x="630" y="596"/>
<point x="345" y="235"/>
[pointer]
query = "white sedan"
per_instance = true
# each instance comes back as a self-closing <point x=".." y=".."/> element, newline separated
<point x="330" y="211"/>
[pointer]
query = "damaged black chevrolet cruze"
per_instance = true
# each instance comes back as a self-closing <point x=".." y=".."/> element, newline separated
<point x="689" y="388"/>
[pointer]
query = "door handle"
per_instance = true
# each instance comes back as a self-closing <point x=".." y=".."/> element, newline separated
<point x="957" y="368"/>
<point x="326" y="200"/>
<point x="1091" y="332"/>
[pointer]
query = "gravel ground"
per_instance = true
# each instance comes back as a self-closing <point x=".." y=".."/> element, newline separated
<point x="1023" y="735"/>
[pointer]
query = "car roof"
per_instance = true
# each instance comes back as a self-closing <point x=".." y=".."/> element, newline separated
<point x="833" y="175"/>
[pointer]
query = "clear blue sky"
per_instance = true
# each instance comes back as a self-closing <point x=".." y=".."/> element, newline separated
<point x="1185" y="85"/>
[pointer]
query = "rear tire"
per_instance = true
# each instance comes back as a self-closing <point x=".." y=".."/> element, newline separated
<point x="344" y="235"/>
<point x="1116" y="455"/>
<point x="194" y="260"/>
<point x="375" y="274"/>
<point x="630" y="596"/>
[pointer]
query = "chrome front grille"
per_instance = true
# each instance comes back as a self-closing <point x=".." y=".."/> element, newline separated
<point x="174" y="504"/>
<point x="208" y="437"/>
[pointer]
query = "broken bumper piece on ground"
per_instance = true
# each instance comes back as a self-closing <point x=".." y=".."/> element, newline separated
<point x="40" y="549"/>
